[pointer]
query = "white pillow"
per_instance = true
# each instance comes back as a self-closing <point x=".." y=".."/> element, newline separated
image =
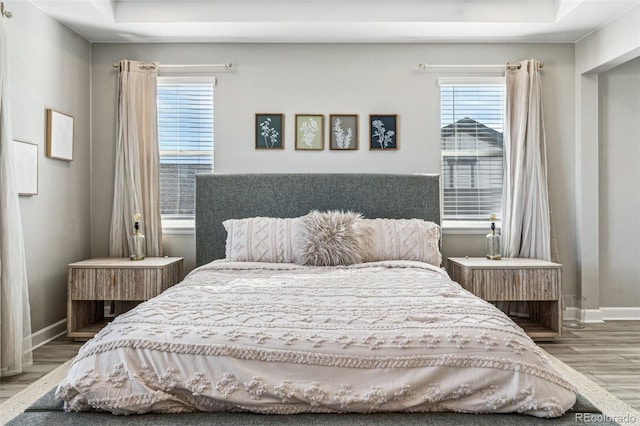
<point x="330" y="238"/>
<point x="262" y="239"/>
<point x="401" y="239"/>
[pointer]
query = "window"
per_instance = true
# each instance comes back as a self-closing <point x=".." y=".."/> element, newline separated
<point x="185" y="136"/>
<point x="471" y="141"/>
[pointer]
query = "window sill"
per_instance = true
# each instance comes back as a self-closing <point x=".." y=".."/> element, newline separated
<point x="456" y="227"/>
<point x="178" y="227"/>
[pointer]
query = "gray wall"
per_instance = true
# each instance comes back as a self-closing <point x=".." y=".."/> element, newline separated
<point x="49" y="68"/>
<point x="345" y="78"/>
<point x="619" y="157"/>
<point x="52" y="67"/>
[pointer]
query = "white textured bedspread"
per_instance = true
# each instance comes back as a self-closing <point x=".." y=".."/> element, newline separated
<point x="282" y="338"/>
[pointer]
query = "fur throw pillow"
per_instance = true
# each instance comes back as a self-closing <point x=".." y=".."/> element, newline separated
<point x="330" y="238"/>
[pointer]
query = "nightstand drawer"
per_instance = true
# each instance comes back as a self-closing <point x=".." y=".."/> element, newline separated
<point x="115" y="284"/>
<point x="516" y="284"/>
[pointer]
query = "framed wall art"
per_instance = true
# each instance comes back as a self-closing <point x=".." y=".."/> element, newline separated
<point x="26" y="161"/>
<point x="269" y="131"/>
<point x="310" y="132"/>
<point x="59" y="135"/>
<point x="383" y="131"/>
<point x="344" y="132"/>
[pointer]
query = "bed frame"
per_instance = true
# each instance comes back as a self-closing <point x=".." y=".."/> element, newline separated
<point x="233" y="196"/>
<point x="220" y="197"/>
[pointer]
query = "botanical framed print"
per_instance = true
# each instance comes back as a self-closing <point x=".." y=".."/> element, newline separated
<point x="59" y="135"/>
<point x="344" y="132"/>
<point x="309" y="131"/>
<point x="26" y="162"/>
<point x="269" y="131"/>
<point x="383" y="131"/>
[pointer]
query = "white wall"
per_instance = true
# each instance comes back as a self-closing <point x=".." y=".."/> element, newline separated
<point x="619" y="157"/>
<point x="344" y="78"/>
<point x="613" y="45"/>
<point x="610" y="46"/>
<point x="49" y="68"/>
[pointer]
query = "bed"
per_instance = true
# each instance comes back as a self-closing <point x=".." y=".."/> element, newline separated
<point x="381" y="329"/>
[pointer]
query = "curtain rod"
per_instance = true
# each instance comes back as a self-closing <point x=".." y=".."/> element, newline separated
<point x="4" y="12"/>
<point x="424" y="67"/>
<point x="227" y="66"/>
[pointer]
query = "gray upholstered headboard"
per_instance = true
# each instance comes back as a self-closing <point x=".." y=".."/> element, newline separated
<point x="233" y="196"/>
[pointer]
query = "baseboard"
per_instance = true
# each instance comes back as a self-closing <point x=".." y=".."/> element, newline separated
<point x="47" y="334"/>
<point x="593" y="315"/>
<point x="619" y="314"/>
<point x="612" y="314"/>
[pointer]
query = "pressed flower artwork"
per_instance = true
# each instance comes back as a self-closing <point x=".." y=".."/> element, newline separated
<point x="344" y="132"/>
<point x="269" y="131"/>
<point x="383" y="131"/>
<point x="309" y="131"/>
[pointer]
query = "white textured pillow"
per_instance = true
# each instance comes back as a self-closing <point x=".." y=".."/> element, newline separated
<point x="330" y="238"/>
<point x="261" y="239"/>
<point x="401" y="239"/>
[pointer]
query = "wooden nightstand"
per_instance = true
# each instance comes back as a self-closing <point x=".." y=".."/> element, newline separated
<point x="93" y="281"/>
<point x="536" y="282"/>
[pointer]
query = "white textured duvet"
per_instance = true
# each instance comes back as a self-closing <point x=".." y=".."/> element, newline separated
<point x="282" y="338"/>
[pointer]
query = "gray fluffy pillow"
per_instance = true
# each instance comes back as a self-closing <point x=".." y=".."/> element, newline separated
<point x="331" y="238"/>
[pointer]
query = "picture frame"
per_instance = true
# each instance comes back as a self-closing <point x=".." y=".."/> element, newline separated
<point x="26" y="161"/>
<point x="343" y="134"/>
<point x="269" y="131"/>
<point x="59" y="135"/>
<point x="383" y="132"/>
<point x="309" y="132"/>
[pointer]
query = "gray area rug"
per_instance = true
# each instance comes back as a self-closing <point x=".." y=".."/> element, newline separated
<point x="48" y="411"/>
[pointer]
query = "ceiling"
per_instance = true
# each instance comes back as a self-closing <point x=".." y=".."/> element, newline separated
<point x="335" y="21"/>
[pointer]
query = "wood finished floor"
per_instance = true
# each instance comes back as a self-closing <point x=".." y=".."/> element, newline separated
<point x="45" y="359"/>
<point x="608" y="354"/>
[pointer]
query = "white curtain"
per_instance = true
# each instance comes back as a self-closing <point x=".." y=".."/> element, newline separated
<point x="15" y="313"/>
<point x="137" y="178"/>
<point x="526" y="213"/>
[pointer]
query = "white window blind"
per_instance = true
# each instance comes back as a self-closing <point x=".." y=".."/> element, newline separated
<point x="185" y="135"/>
<point x="472" y="123"/>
